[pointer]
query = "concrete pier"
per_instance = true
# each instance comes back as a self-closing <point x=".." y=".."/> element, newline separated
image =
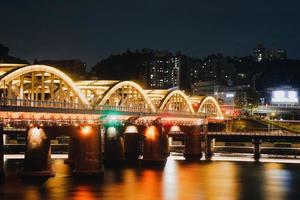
<point x="113" y="145"/>
<point x="165" y="141"/>
<point x="256" y="149"/>
<point x="192" y="149"/>
<point x="88" y="162"/>
<point x="37" y="161"/>
<point x="132" y="140"/>
<point x="73" y="150"/>
<point x="154" y="146"/>
<point x="1" y="152"/>
<point x="208" y="148"/>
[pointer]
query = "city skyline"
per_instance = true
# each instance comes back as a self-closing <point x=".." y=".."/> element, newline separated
<point x="92" y="31"/>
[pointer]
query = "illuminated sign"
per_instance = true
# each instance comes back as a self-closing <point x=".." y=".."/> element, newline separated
<point x="229" y="95"/>
<point x="284" y="96"/>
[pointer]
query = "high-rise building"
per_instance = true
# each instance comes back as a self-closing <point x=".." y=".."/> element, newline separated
<point x="259" y="52"/>
<point x="263" y="53"/>
<point x="215" y="68"/>
<point x="163" y="73"/>
<point x="276" y="54"/>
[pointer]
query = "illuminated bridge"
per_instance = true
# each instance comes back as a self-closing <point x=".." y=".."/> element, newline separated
<point x="40" y="92"/>
<point x="43" y="102"/>
<point x="116" y="120"/>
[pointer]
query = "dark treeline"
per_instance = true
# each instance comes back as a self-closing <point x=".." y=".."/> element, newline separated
<point x="225" y="70"/>
<point x="228" y="71"/>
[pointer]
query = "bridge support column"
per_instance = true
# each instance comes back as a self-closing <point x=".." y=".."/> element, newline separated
<point x="132" y="140"/>
<point x="256" y="149"/>
<point x="154" y="146"/>
<point x="1" y="152"/>
<point x="192" y="146"/>
<point x="165" y="141"/>
<point x="37" y="161"/>
<point x="113" y="145"/>
<point x="88" y="161"/>
<point x="73" y="150"/>
<point x="208" y="149"/>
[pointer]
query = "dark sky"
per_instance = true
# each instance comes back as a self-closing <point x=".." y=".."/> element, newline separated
<point x="92" y="29"/>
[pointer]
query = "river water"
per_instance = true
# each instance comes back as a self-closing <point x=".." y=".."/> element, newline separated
<point x="178" y="179"/>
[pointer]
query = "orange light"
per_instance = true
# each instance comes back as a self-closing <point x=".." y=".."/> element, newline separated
<point x="151" y="132"/>
<point x="86" y="130"/>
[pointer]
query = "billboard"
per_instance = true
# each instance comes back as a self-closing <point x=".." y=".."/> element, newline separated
<point x="285" y="96"/>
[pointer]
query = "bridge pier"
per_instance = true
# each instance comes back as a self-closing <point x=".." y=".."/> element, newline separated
<point x="113" y="145"/>
<point x="88" y="161"/>
<point x="37" y="160"/>
<point x="256" y="149"/>
<point x="1" y="152"/>
<point x="73" y="150"/>
<point x="132" y="140"/>
<point x="165" y="140"/>
<point x="192" y="146"/>
<point x="208" y="149"/>
<point x="154" y="146"/>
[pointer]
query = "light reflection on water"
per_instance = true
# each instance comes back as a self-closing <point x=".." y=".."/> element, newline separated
<point x="177" y="180"/>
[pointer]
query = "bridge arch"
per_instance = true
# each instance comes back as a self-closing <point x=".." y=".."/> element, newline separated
<point x="209" y="105"/>
<point x="36" y="79"/>
<point x="176" y="100"/>
<point x="126" y="93"/>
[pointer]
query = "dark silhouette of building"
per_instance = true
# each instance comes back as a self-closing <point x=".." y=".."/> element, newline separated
<point x="3" y="51"/>
<point x="6" y="58"/>
<point x="262" y="53"/>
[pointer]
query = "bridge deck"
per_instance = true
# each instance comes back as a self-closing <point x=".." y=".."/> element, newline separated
<point x="278" y="134"/>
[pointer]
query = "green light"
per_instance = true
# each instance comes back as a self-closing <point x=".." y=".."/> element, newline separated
<point x="110" y="118"/>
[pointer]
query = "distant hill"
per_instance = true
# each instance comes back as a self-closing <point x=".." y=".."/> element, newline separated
<point x="6" y="58"/>
<point x="129" y="65"/>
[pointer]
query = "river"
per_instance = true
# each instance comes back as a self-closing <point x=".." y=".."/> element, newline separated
<point x="221" y="178"/>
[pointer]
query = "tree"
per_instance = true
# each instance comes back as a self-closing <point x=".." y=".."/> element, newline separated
<point x="246" y="98"/>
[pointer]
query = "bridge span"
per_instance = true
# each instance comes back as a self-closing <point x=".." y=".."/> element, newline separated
<point x="106" y="120"/>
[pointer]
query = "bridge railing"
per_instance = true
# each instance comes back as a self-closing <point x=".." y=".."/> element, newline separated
<point x="278" y="106"/>
<point x="41" y="104"/>
<point x="77" y="106"/>
<point x="123" y="108"/>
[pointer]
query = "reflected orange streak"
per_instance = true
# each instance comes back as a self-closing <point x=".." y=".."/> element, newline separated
<point x="83" y="193"/>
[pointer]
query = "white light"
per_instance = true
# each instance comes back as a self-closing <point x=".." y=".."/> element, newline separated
<point x="281" y="96"/>
<point x="35" y="137"/>
<point x="175" y="129"/>
<point x="131" y="129"/>
<point x="111" y="132"/>
<point x="229" y="95"/>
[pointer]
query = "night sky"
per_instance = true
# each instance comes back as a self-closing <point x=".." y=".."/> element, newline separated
<point x="91" y="30"/>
